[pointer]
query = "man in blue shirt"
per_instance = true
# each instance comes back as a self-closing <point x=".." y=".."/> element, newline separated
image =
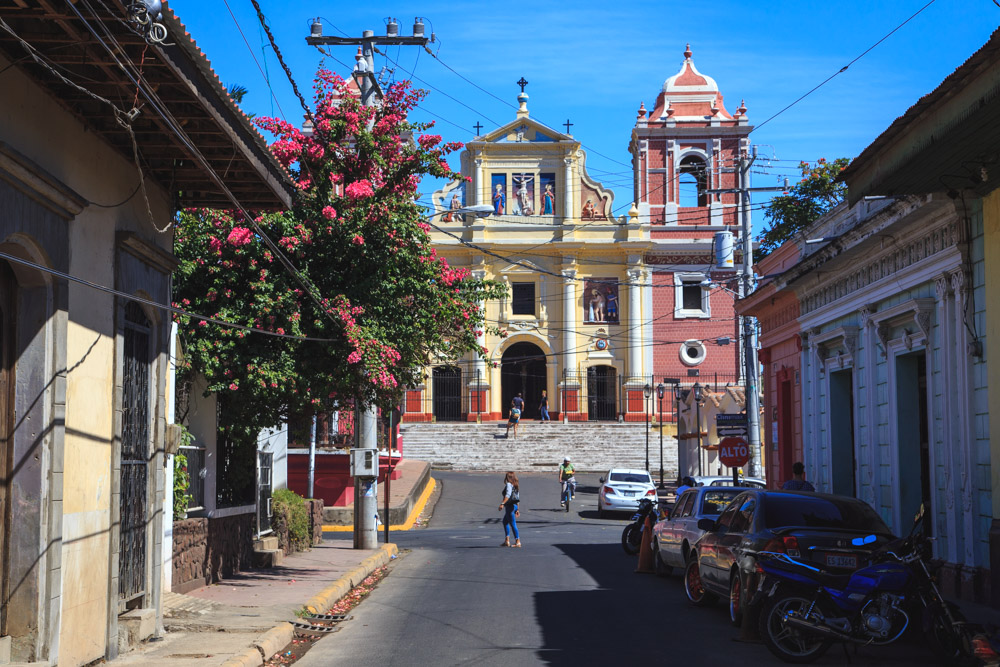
<point x="798" y="481"/>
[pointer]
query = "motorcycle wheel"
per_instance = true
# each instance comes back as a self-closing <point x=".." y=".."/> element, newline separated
<point x="631" y="539"/>
<point x="789" y="644"/>
<point x="693" y="588"/>
<point x="952" y="644"/>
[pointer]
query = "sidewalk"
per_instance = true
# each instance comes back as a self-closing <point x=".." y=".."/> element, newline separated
<point x="243" y="619"/>
<point x="405" y="495"/>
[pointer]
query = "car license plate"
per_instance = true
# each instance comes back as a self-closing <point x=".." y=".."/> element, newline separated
<point x="847" y="561"/>
<point x="629" y="494"/>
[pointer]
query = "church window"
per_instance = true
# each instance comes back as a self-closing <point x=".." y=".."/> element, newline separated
<point x="690" y="298"/>
<point x="522" y="298"/>
<point x="692" y="182"/>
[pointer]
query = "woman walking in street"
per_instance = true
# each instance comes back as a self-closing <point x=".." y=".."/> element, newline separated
<point x="511" y="499"/>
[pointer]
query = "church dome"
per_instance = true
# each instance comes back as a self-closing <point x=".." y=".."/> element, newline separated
<point x="689" y="79"/>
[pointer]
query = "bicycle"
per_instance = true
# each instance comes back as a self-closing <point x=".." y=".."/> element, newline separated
<point x="567" y="492"/>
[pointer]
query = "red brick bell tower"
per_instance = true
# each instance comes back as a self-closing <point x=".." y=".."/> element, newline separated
<point x="686" y="146"/>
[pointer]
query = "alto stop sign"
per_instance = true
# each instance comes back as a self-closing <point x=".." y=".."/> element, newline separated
<point x="734" y="452"/>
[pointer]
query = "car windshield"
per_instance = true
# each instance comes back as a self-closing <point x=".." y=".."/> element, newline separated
<point x="807" y="511"/>
<point x="637" y="478"/>
<point x="714" y="501"/>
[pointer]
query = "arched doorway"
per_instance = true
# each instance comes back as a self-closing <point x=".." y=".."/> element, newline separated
<point x="522" y="369"/>
<point x="602" y="387"/>
<point x="447" y="389"/>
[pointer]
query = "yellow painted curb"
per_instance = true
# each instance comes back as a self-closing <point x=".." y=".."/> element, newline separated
<point x="322" y="601"/>
<point x="418" y="507"/>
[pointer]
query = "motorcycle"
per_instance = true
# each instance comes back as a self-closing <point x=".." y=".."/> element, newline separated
<point x="805" y="609"/>
<point x="632" y="535"/>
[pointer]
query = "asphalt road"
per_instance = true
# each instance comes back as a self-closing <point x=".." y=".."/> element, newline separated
<point x="568" y="597"/>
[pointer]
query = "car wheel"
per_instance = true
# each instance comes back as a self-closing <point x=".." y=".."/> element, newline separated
<point x="693" y="587"/>
<point x="661" y="568"/>
<point x="737" y="599"/>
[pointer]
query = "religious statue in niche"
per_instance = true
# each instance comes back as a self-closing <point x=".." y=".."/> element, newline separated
<point x="588" y="212"/>
<point x="499" y="194"/>
<point x="524" y="201"/>
<point x="451" y="216"/>
<point x="548" y="200"/>
<point x="600" y="301"/>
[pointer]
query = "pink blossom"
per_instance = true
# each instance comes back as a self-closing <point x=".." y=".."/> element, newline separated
<point x="359" y="239"/>
<point x="233" y="386"/>
<point x="214" y="244"/>
<point x="354" y="357"/>
<point x="240" y="236"/>
<point x="359" y="190"/>
<point x="329" y="212"/>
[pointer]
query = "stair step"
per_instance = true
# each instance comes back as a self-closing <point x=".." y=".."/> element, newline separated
<point x="268" y="557"/>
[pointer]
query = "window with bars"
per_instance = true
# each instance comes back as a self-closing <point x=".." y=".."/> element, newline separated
<point x="522" y="300"/>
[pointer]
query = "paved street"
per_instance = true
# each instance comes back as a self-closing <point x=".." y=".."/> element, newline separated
<point x="568" y="597"/>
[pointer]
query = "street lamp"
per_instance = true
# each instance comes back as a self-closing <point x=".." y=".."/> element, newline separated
<point x="647" y="392"/>
<point x="659" y="397"/>
<point x="697" y="402"/>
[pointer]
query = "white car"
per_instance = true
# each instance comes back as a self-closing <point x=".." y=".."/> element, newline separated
<point x="745" y="482"/>
<point x="622" y="488"/>
<point x="675" y="535"/>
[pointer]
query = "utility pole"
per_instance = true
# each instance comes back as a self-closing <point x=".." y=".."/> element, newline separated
<point x="751" y="368"/>
<point x="365" y="426"/>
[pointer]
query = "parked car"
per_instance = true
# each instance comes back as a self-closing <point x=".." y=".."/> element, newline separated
<point x="675" y="535"/>
<point x="621" y="490"/>
<point x="746" y="482"/>
<point x="815" y="528"/>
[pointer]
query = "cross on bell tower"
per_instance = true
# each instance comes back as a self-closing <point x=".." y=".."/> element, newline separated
<point x="522" y="83"/>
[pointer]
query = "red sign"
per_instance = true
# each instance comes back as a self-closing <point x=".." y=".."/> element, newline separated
<point x="734" y="452"/>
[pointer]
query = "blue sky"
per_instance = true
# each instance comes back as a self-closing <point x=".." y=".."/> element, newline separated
<point x="594" y="66"/>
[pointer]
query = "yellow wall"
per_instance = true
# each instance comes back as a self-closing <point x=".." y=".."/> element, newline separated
<point x="991" y="224"/>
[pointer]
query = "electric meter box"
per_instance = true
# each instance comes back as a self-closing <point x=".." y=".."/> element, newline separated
<point x="364" y="463"/>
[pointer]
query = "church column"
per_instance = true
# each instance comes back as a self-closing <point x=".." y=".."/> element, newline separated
<point x="635" y="328"/>
<point x="569" y="394"/>
<point x="479" y="200"/>
<point x="477" y="383"/>
<point x="568" y="207"/>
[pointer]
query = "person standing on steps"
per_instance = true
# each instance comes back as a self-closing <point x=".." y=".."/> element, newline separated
<point x="511" y="499"/>
<point x="566" y="477"/>
<point x="515" y="416"/>
<point x="518" y="401"/>
<point x="543" y="407"/>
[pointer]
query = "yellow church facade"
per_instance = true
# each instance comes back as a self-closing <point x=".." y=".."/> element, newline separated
<point x="577" y="319"/>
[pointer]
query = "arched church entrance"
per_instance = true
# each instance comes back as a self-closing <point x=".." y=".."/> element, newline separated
<point x="447" y="386"/>
<point x="602" y="387"/>
<point x="522" y="370"/>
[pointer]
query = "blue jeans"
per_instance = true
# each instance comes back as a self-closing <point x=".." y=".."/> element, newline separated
<point x="545" y="415"/>
<point x="509" y="520"/>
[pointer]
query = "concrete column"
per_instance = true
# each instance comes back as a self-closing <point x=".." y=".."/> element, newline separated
<point x="478" y="185"/>
<point x="569" y="321"/>
<point x="635" y="328"/>
<point x="963" y="387"/>
<point x="945" y="363"/>
<point x="568" y="189"/>
<point x="480" y="363"/>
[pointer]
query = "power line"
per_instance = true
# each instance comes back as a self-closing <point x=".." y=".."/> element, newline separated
<point x="281" y="61"/>
<point x="256" y="62"/>
<point x="844" y="68"/>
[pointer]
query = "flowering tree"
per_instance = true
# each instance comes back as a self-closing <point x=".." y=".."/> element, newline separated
<point x="371" y="284"/>
<point x="811" y="197"/>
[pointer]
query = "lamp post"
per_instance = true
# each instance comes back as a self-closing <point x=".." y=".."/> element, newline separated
<point x="660" y="389"/>
<point x="697" y="402"/>
<point x="647" y="391"/>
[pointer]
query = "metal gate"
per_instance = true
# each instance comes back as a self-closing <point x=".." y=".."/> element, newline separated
<point x="265" y="461"/>
<point x="134" y="497"/>
<point x="447" y="394"/>
<point x="601" y="389"/>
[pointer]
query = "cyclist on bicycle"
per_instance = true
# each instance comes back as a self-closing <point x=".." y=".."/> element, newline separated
<point x="566" y="471"/>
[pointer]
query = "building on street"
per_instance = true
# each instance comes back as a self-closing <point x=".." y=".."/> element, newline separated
<point x="89" y="183"/>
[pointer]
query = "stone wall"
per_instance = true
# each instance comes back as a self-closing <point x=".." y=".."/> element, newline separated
<point x="209" y="550"/>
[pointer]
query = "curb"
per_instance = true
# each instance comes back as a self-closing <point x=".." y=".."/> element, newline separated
<point x="282" y="634"/>
<point x="322" y="601"/>
<point x="418" y="507"/>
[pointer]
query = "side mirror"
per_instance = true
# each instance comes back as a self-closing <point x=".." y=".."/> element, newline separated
<point x="708" y="525"/>
<point x="601" y="480"/>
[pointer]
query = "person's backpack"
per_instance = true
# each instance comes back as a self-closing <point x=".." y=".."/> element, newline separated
<point x="515" y="497"/>
<point x="515" y="412"/>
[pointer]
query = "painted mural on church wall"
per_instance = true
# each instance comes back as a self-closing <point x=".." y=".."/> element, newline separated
<point x="600" y="301"/>
<point x="454" y="199"/>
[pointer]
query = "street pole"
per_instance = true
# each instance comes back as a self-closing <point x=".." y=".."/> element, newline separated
<point x="312" y="458"/>
<point x="659" y="400"/>
<point x="697" y="425"/>
<point x="749" y="330"/>
<point x="365" y="500"/>
<point x="646" y="391"/>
